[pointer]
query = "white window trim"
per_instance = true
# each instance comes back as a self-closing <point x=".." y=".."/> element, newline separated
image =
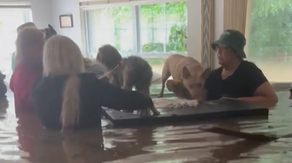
<point x="135" y="6"/>
<point x="17" y="4"/>
<point x="131" y="3"/>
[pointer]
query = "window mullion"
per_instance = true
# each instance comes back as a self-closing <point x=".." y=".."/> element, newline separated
<point x="88" y="34"/>
<point x="165" y="27"/>
<point x="136" y="28"/>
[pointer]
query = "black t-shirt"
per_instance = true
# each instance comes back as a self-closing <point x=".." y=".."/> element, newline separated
<point x="242" y="83"/>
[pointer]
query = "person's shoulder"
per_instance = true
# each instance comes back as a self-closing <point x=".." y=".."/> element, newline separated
<point x="250" y="66"/>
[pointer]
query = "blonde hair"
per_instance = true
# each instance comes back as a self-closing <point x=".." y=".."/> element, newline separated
<point x="62" y="56"/>
<point x="27" y="38"/>
<point x="25" y="25"/>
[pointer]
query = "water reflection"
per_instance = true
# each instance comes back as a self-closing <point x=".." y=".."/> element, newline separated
<point x="24" y="140"/>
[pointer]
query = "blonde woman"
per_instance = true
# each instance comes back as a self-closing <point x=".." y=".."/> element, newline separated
<point x="67" y="98"/>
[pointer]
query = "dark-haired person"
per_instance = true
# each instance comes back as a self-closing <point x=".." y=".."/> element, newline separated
<point x="237" y="78"/>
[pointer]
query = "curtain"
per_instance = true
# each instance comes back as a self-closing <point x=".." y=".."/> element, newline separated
<point x="235" y="15"/>
<point x="207" y="32"/>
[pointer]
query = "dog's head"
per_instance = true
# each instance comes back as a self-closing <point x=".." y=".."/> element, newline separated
<point x="49" y="32"/>
<point x="109" y="56"/>
<point x="178" y="89"/>
<point x="193" y="84"/>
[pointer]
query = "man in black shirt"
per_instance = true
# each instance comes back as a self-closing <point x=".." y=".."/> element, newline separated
<point x="237" y="78"/>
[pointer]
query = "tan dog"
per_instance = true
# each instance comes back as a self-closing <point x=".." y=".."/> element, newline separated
<point x="187" y="74"/>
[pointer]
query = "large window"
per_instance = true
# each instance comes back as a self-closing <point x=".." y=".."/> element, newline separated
<point x="110" y="26"/>
<point x="270" y="38"/>
<point x="8" y="34"/>
<point x="152" y="31"/>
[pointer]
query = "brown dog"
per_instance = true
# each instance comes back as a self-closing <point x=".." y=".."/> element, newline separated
<point x="132" y="72"/>
<point x="187" y="74"/>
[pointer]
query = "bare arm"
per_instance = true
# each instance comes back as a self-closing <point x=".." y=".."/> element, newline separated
<point x="264" y="95"/>
<point x="262" y="91"/>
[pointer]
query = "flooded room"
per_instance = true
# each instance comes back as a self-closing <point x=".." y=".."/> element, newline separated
<point x="145" y="81"/>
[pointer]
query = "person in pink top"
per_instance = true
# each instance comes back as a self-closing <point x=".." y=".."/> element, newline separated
<point x="29" y="47"/>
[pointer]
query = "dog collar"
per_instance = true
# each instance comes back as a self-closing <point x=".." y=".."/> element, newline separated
<point x="177" y="80"/>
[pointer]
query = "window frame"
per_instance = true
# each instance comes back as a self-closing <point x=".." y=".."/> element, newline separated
<point x="136" y="27"/>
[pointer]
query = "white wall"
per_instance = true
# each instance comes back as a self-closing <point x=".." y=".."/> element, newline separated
<point x="194" y="29"/>
<point x="41" y="12"/>
<point x="60" y="7"/>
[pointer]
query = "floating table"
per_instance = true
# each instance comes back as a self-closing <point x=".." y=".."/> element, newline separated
<point x="219" y="109"/>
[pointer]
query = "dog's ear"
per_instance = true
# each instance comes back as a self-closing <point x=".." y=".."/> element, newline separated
<point x="52" y="30"/>
<point x="170" y="85"/>
<point x="186" y="73"/>
<point x="205" y="73"/>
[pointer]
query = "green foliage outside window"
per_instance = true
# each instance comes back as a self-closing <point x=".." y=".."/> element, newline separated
<point x="176" y="41"/>
<point x="270" y="29"/>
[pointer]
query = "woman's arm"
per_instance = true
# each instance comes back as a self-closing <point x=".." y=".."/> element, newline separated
<point x="264" y="95"/>
<point x="116" y="98"/>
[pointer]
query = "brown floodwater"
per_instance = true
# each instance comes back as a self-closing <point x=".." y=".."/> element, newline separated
<point x="24" y="141"/>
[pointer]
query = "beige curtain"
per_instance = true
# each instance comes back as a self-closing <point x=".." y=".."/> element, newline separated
<point x="235" y="14"/>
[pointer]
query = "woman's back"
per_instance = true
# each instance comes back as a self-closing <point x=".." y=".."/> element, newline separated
<point x="47" y="95"/>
